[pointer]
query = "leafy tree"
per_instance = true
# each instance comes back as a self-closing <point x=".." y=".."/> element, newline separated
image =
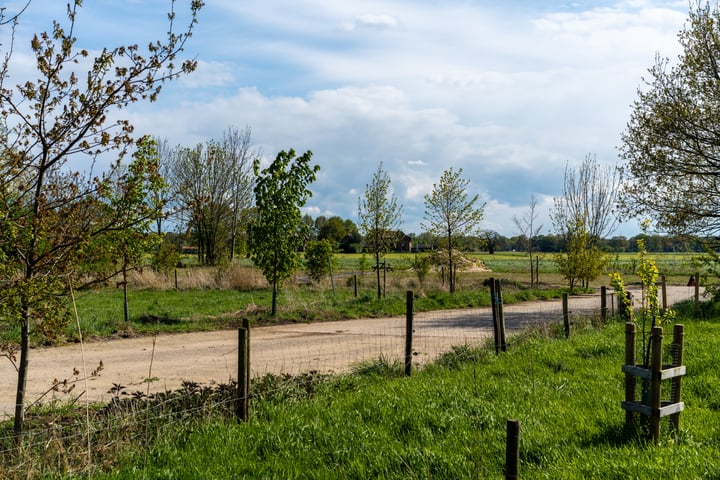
<point x="380" y="215"/>
<point x="275" y="232"/>
<point x="670" y="144"/>
<point x="451" y="215"/>
<point x="213" y="185"/>
<point x="318" y="224"/>
<point x="581" y="261"/>
<point x="333" y="230"/>
<point x="49" y="213"/>
<point x="352" y="241"/>
<point x="126" y="245"/>
<point x="319" y="259"/>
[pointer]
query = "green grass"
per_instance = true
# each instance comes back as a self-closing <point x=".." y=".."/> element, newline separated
<point x="449" y="421"/>
<point x="101" y="312"/>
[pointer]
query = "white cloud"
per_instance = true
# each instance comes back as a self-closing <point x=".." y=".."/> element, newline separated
<point x="210" y="74"/>
<point x="374" y="21"/>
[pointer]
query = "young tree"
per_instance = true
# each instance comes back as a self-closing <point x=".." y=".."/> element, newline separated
<point x="528" y="229"/>
<point x="584" y="215"/>
<point x="589" y="198"/>
<point x="450" y="215"/>
<point x="670" y="144"/>
<point x="319" y="258"/>
<point x="380" y="216"/>
<point x="49" y="212"/>
<point x="275" y="232"/>
<point x="581" y="260"/>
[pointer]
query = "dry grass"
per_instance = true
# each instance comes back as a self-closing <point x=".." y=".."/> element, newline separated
<point x="234" y="277"/>
<point x="240" y="277"/>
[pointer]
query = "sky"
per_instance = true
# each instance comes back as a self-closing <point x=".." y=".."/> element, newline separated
<point x="511" y="92"/>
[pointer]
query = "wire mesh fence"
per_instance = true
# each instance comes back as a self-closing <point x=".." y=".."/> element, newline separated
<point x="150" y="365"/>
<point x="156" y="381"/>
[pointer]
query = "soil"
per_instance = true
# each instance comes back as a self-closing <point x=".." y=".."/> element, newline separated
<point x="151" y="364"/>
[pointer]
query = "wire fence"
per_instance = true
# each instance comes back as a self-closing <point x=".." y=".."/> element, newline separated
<point x="202" y="375"/>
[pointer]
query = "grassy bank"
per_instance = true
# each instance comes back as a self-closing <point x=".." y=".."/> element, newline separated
<point x="450" y="422"/>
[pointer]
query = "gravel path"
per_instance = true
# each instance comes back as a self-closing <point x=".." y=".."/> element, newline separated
<point x="207" y="357"/>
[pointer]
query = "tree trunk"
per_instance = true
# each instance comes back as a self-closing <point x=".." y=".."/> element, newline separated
<point x="19" y="423"/>
<point x="377" y="270"/>
<point x="274" y="299"/>
<point x="451" y="272"/>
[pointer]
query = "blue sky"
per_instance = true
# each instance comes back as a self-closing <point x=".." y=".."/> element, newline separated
<point x="508" y="91"/>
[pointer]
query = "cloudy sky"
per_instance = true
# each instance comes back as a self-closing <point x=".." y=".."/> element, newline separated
<point x="509" y="91"/>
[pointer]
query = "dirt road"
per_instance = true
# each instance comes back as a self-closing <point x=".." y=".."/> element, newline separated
<point x="156" y="364"/>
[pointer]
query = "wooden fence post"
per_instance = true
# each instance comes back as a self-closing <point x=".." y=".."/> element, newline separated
<point x="656" y="339"/>
<point x="630" y="381"/>
<point x="603" y="304"/>
<point x="566" y="315"/>
<point x="676" y="386"/>
<point x="663" y="279"/>
<point x="512" y="450"/>
<point x="243" y="401"/>
<point x="500" y="315"/>
<point x="496" y="321"/>
<point x="408" y="331"/>
<point x="697" y="294"/>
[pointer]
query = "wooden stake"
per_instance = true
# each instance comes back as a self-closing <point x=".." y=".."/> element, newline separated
<point x="676" y="386"/>
<point x="630" y="380"/>
<point x="656" y="339"/>
<point x="566" y="315"/>
<point x="512" y="450"/>
<point x="500" y="315"/>
<point x="496" y="321"/>
<point x="243" y="401"/>
<point x="408" y="331"/>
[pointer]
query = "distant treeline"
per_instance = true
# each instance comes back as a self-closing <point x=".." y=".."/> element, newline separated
<point x="491" y="242"/>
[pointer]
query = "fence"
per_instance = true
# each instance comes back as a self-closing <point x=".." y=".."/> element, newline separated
<point x="157" y="365"/>
<point x="330" y="347"/>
